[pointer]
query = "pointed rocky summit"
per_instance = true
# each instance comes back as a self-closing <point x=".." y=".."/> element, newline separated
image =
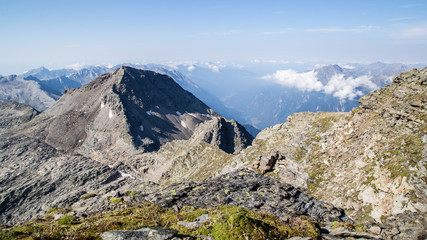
<point x="138" y="108"/>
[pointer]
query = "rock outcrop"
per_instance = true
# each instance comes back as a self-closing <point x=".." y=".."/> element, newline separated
<point x="243" y="188"/>
<point x="141" y="234"/>
<point x="35" y="177"/>
<point x="229" y="136"/>
<point x="370" y="161"/>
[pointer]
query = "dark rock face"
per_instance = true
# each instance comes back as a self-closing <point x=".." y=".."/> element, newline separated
<point x="13" y="113"/>
<point x="145" y="109"/>
<point x="229" y="136"/>
<point x="243" y="188"/>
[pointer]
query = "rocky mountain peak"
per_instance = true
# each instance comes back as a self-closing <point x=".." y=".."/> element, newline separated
<point x="324" y="74"/>
<point x="130" y="108"/>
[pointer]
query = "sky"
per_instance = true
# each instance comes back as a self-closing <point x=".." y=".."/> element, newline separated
<point x="72" y="33"/>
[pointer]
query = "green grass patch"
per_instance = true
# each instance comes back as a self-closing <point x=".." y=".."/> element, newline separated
<point x="67" y="220"/>
<point x="226" y="222"/>
<point x="115" y="200"/>
<point x="87" y="196"/>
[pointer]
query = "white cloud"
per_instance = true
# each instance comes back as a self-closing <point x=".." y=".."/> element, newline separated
<point x="270" y="61"/>
<point x="346" y="88"/>
<point x="110" y="65"/>
<point x="306" y="81"/>
<point x="319" y="65"/>
<point x="191" y="65"/>
<point x="346" y="66"/>
<point x="236" y="65"/>
<point x="339" y="86"/>
<point x="190" y="68"/>
<point x="75" y="66"/>
<point x="359" y="29"/>
<point x="214" y="67"/>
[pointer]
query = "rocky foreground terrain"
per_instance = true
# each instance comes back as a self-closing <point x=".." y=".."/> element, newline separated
<point x="132" y="150"/>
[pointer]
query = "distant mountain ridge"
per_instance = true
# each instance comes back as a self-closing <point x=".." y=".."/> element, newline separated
<point x="236" y="92"/>
<point x="28" y="91"/>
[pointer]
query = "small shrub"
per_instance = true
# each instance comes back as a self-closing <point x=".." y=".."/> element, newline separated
<point x="53" y="210"/>
<point x="115" y="200"/>
<point x="67" y="220"/>
<point x="131" y="193"/>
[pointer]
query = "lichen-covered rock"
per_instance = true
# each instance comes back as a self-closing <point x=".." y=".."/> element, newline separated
<point x="140" y="234"/>
<point x="409" y="225"/>
<point x="243" y="188"/>
<point x="199" y="221"/>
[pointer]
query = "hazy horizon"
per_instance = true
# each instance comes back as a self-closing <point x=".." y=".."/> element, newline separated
<point x="58" y="34"/>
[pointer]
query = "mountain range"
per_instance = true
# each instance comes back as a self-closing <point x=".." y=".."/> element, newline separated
<point x="132" y="139"/>
<point x="256" y="95"/>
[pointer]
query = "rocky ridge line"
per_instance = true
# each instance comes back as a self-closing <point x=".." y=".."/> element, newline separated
<point x="370" y="161"/>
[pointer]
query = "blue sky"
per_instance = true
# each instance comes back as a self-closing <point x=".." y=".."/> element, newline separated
<point x="57" y="33"/>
